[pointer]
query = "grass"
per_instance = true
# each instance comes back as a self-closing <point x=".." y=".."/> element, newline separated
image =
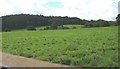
<point x="74" y="26"/>
<point x="0" y="41"/>
<point x="85" y="47"/>
<point x="70" y="27"/>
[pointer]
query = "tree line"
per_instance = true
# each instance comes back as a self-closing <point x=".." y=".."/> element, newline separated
<point x="21" y="21"/>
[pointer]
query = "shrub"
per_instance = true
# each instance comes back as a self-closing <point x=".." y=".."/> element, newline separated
<point x="60" y="27"/>
<point x="66" y="61"/>
<point x="7" y="30"/>
<point x="28" y="56"/>
<point x="40" y="29"/>
<point x="46" y="28"/>
<point x="31" y="28"/>
<point x="73" y="27"/>
<point x="66" y="28"/>
<point x="53" y="27"/>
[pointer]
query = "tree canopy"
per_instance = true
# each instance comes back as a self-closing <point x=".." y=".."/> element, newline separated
<point x="21" y="21"/>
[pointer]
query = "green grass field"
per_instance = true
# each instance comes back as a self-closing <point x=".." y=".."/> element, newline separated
<point x="0" y="41"/>
<point x="85" y="47"/>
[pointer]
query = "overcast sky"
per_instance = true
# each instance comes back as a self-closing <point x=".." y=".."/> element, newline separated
<point x="84" y="9"/>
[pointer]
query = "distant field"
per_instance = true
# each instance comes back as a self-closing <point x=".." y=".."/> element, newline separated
<point x="70" y="26"/>
<point x="42" y="27"/>
<point x="84" y="47"/>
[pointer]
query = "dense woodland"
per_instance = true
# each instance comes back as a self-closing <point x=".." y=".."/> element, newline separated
<point x="22" y="21"/>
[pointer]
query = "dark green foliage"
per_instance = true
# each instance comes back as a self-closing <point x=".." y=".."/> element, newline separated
<point x="47" y="28"/>
<point x="21" y="21"/>
<point x="66" y="28"/>
<point x="98" y="23"/>
<point x="113" y="23"/>
<point x="7" y="29"/>
<point x="73" y="27"/>
<point x="66" y="61"/>
<point x="31" y="28"/>
<point x="29" y="56"/>
<point x="54" y="26"/>
<point x="118" y="19"/>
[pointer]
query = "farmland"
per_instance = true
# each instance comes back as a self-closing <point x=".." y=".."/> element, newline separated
<point x="86" y="47"/>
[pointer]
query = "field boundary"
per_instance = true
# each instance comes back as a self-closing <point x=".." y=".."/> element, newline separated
<point x="18" y="61"/>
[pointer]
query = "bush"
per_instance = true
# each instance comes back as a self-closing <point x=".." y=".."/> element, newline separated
<point x="46" y="28"/>
<point x="73" y="27"/>
<point x="65" y="60"/>
<point x="7" y="30"/>
<point x="31" y="28"/>
<point x="60" y="27"/>
<point x="66" y="28"/>
<point x="40" y="29"/>
<point x="100" y="23"/>
<point x="54" y="26"/>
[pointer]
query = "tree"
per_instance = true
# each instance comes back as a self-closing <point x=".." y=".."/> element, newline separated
<point x="55" y="22"/>
<point x="118" y="19"/>
<point x="21" y="21"/>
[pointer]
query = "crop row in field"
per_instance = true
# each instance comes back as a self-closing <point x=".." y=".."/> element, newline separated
<point x="79" y="47"/>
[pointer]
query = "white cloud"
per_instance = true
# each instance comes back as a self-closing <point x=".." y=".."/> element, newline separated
<point x="85" y="9"/>
<point x="94" y="9"/>
<point x="5" y="7"/>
